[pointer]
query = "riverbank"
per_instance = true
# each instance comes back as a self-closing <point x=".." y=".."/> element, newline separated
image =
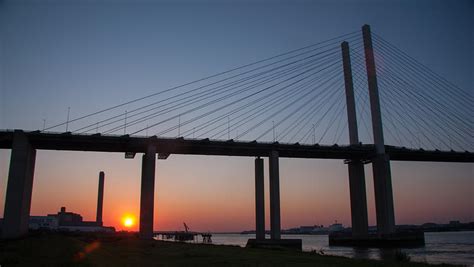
<point x="128" y="250"/>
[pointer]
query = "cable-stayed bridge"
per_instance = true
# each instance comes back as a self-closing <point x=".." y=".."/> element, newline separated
<point x="325" y="100"/>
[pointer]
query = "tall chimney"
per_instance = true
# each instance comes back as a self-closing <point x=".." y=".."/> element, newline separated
<point x="100" y="198"/>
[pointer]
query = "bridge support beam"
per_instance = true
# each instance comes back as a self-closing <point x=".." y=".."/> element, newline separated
<point x="274" y="196"/>
<point x="19" y="188"/>
<point x="380" y="164"/>
<point x="147" y="193"/>
<point x="259" y="200"/>
<point x="358" y="196"/>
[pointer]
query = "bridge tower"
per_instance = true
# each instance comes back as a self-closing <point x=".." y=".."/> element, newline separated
<point x="380" y="163"/>
<point x="358" y="196"/>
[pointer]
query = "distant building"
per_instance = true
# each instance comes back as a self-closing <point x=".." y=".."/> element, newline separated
<point x="43" y="222"/>
<point x="335" y="227"/>
<point x="314" y="229"/>
<point x="67" y="218"/>
<point x="429" y="225"/>
<point x="454" y="223"/>
<point x="70" y="221"/>
<point x="319" y="229"/>
<point x="66" y="221"/>
<point x="306" y="229"/>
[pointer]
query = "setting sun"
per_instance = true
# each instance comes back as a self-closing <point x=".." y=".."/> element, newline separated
<point x="128" y="221"/>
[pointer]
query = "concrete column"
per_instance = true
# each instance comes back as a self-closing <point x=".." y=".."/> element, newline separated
<point x="356" y="167"/>
<point x="359" y="217"/>
<point x="100" y="198"/>
<point x="19" y="187"/>
<point x="380" y="164"/>
<point x="147" y="193"/>
<point x="274" y="196"/>
<point x="383" y="195"/>
<point x="259" y="200"/>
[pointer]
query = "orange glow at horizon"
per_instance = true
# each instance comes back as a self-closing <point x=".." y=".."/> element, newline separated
<point x="217" y="193"/>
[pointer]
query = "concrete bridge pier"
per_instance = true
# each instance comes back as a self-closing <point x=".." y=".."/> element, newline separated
<point x="384" y="209"/>
<point x="259" y="200"/>
<point x="275" y="225"/>
<point x="275" y="240"/>
<point x="19" y="187"/>
<point x="359" y="217"/>
<point x="147" y="193"/>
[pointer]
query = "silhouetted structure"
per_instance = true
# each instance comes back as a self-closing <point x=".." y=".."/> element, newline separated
<point x="380" y="163"/>
<point x="259" y="200"/>
<point x="100" y="198"/>
<point x="358" y="197"/>
<point x="24" y="145"/>
<point x="66" y="221"/>
<point x="66" y="218"/>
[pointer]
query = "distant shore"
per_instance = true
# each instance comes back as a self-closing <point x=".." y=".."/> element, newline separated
<point x="453" y="226"/>
<point x="52" y="249"/>
<point x="326" y="233"/>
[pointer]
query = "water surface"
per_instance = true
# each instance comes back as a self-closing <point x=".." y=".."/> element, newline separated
<point x="446" y="247"/>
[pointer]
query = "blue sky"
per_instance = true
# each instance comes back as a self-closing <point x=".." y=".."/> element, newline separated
<point x="94" y="54"/>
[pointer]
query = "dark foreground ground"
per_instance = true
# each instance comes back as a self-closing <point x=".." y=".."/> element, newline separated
<point x="127" y="250"/>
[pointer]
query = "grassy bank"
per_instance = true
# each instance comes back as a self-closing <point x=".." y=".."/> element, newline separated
<point x="84" y="250"/>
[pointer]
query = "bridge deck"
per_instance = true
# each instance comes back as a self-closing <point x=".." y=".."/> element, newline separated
<point x="109" y="143"/>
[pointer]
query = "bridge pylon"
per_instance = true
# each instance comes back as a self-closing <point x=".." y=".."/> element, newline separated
<point x="380" y="163"/>
<point x="357" y="189"/>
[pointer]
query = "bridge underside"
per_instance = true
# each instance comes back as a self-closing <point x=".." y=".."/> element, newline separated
<point x="99" y="143"/>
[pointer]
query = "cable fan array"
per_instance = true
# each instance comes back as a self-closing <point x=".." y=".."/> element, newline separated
<point x="420" y="108"/>
<point x="298" y="97"/>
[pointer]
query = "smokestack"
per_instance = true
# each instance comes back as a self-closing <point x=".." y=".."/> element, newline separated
<point x="100" y="198"/>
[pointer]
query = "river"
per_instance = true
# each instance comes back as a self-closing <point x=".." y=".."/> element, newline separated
<point x="444" y="247"/>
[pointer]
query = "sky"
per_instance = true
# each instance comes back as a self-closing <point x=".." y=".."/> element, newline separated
<point x="88" y="55"/>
